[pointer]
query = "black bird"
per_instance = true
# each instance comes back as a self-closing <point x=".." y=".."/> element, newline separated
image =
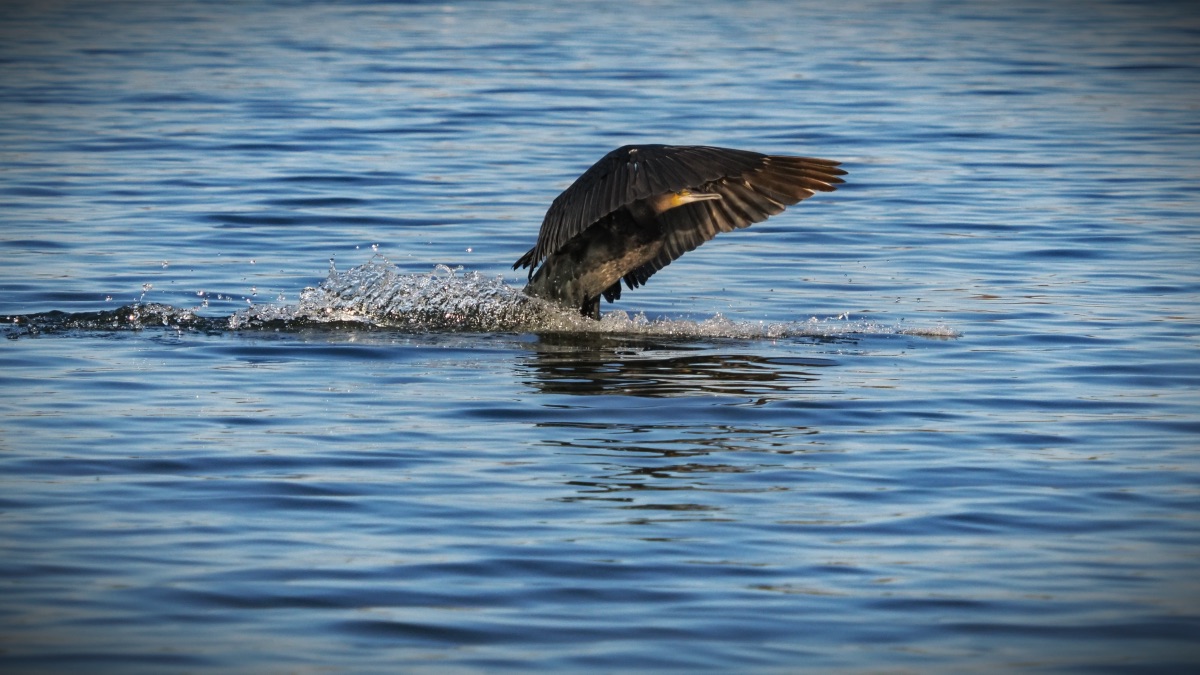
<point x="642" y="206"/>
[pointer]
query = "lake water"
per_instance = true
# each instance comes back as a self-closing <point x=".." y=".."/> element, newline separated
<point x="942" y="420"/>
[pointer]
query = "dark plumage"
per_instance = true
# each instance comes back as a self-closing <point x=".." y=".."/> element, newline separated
<point x="642" y="206"/>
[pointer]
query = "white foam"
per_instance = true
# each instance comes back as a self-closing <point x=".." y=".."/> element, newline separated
<point x="378" y="294"/>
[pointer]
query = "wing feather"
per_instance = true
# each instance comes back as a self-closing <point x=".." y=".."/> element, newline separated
<point x="752" y="196"/>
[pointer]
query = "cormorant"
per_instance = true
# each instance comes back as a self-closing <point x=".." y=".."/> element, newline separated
<point x="642" y="206"/>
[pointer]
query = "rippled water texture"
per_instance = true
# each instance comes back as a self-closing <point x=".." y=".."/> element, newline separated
<point x="271" y="399"/>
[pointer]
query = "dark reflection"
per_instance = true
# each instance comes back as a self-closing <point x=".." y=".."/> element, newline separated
<point x="682" y="472"/>
<point x="708" y="445"/>
<point x="640" y="367"/>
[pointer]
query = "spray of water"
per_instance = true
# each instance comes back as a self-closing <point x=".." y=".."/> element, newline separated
<point x="377" y="294"/>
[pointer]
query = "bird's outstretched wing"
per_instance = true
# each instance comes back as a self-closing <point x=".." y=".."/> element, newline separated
<point x="775" y="183"/>
<point x="752" y="186"/>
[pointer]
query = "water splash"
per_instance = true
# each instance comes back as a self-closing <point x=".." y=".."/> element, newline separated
<point x="378" y="294"/>
<point x="720" y="326"/>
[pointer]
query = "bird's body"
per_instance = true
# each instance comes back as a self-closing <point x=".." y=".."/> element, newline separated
<point x="641" y="207"/>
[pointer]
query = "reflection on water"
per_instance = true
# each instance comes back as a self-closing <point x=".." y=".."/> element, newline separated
<point x="637" y="463"/>
<point x="682" y="467"/>
<point x="562" y="365"/>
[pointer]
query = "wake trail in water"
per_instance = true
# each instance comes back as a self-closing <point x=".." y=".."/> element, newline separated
<point x="377" y="294"/>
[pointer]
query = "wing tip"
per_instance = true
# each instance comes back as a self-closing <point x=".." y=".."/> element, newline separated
<point x="526" y="260"/>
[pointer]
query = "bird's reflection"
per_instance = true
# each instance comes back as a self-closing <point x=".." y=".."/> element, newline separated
<point x="682" y="472"/>
<point x="674" y="430"/>
<point x="643" y="368"/>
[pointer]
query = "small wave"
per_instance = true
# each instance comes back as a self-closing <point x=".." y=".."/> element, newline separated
<point x="377" y="294"/>
<point x="128" y="317"/>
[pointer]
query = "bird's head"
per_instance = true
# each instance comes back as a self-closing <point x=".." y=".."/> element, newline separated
<point x="686" y="196"/>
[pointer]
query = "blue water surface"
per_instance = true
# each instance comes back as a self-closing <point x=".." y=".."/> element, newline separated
<point x="942" y="420"/>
